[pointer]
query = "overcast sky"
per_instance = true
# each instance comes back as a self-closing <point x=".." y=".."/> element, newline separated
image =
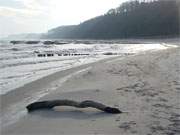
<point x="36" y="16"/>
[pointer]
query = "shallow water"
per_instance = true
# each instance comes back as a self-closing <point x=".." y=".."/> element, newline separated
<point x="20" y="64"/>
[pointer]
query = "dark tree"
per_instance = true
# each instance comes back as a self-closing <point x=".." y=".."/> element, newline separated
<point x="133" y="19"/>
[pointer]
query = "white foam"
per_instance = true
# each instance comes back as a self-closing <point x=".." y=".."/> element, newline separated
<point x="21" y="65"/>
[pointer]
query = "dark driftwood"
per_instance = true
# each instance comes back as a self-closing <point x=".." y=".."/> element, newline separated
<point x="88" y="103"/>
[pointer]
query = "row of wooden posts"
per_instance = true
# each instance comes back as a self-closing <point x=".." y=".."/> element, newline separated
<point x="66" y="54"/>
<point x="74" y="54"/>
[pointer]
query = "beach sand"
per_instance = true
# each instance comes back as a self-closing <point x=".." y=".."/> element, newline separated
<point x="146" y="87"/>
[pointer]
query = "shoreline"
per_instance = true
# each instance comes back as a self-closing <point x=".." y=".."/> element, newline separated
<point x="15" y="101"/>
<point x="10" y="81"/>
<point x="111" y="81"/>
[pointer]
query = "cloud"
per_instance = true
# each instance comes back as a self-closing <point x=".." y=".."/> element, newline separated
<point x="6" y="11"/>
<point x="22" y="20"/>
<point x="34" y="4"/>
<point x="41" y="15"/>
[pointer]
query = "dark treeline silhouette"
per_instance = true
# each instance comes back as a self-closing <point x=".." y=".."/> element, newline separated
<point x="133" y="19"/>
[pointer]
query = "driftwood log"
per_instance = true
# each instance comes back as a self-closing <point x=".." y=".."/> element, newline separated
<point x="88" y="103"/>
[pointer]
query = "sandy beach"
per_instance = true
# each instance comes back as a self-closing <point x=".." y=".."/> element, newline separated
<point x="146" y="87"/>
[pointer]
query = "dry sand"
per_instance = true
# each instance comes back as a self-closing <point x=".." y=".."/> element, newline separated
<point x="146" y="87"/>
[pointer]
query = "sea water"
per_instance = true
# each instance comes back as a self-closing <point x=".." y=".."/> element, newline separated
<point x="22" y="63"/>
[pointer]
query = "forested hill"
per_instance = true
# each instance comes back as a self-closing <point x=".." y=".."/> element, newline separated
<point x="133" y="19"/>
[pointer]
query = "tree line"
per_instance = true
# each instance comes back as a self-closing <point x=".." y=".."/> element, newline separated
<point x="132" y="19"/>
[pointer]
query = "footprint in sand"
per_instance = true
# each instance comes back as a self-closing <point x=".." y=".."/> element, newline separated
<point x="177" y="84"/>
<point x="171" y="129"/>
<point x="162" y="99"/>
<point x="97" y="90"/>
<point x="162" y="106"/>
<point x="135" y="86"/>
<point x="114" y="71"/>
<point x="173" y="118"/>
<point x="174" y="127"/>
<point x="127" y="125"/>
